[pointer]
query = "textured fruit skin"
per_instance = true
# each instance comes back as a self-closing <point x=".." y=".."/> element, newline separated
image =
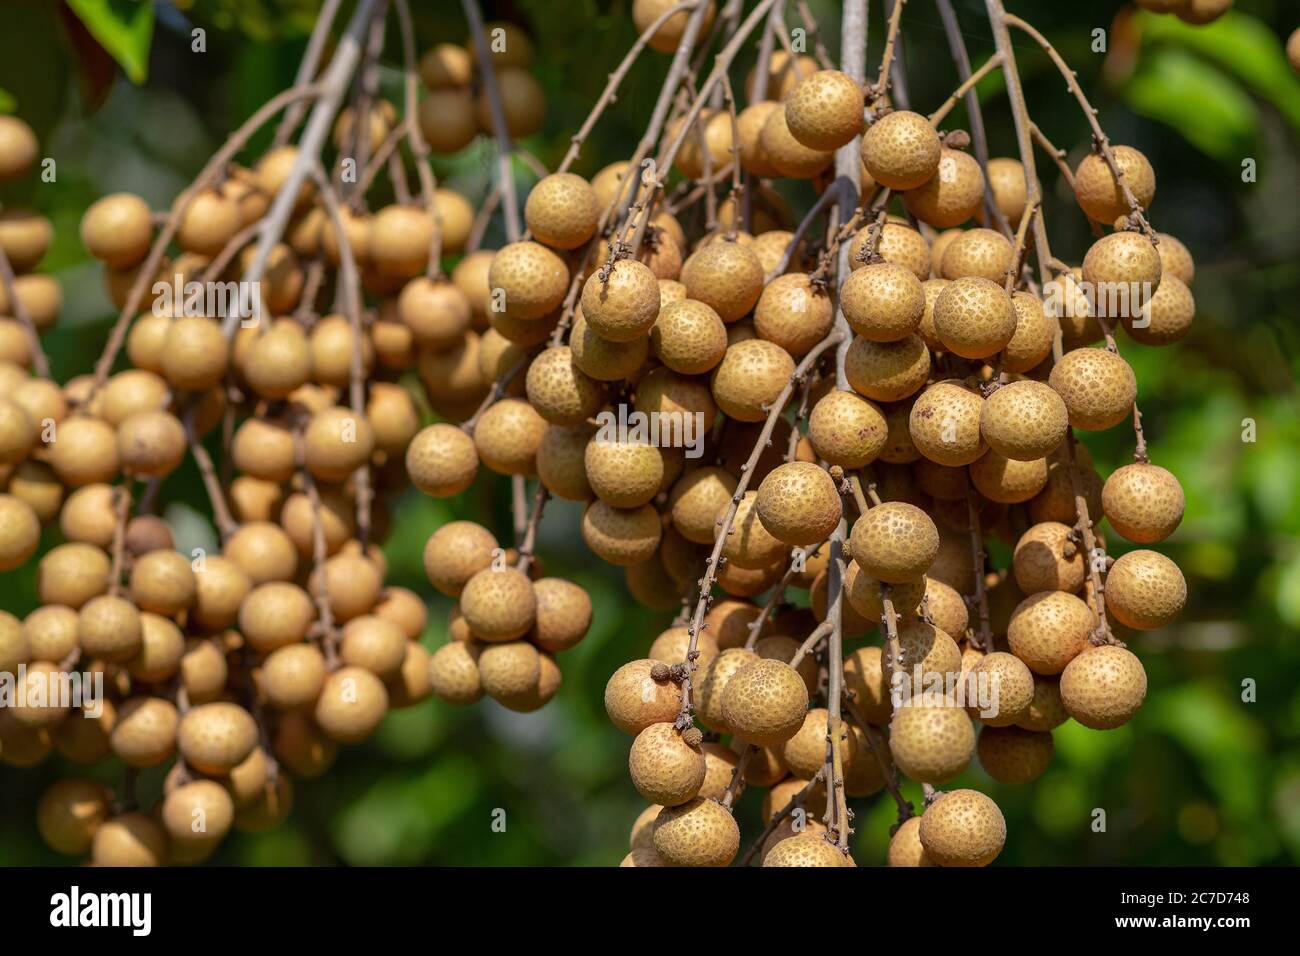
<point x="118" y="229"/>
<point x="1175" y="258"/>
<point x="560" y="391"/>
<point x="1145" y="590"/>
<point x="1006" y="480"/>
<point x="883" y="301"/>
<point x="624" y="474"/>
<point x="750" y="377"/>
<point x="793" y="313"/>
<point x="70" y="812"/>
<point x="623" y="306"/>
<point x="664" y="768"/>
<point x="499" y="605"/>
<point x="977" y="252"/>
<point x="764" y="703"/>
<point x="887" y="371"/>
<point x="1103" y="687"/>
<point x="925" y="650"/>
<point x="621" y="536"/>
<point x="974" y="317"/>
<point x="799" y="504"/>
<point x="847" y="430"/>
<point x="789" y="156"/>
<point x="634" y="700"/>
<point x="1013" y="684"/>
<point x="507" y="437"/>
<point x="20" y="532"/>
<point x="697" y="833"/>
<point x="602" y="359"/>
<point x="1039" y="561"/>
<point x="129" y="839"/>
<point x="511" y="674"/>
<point x="698" y="499"/>
<point x="144" y="734"/>
<point x="1049" y="629"/>
<point x="351" y="704"/>
<point x="454" y="675"/>
<point x="1143" y="502"/>
<point x="749" y="544"/>
<point x="214" y="738"/>
<point x="804" y="753"/>
<point x="533" y="278"/>
<point x="931" y="744"/>
<point x="825" y="110"/>
<point x="1032" y="340"/>
<point x="894" y="542"/>
<point x="905" y="846"/>
<point x="805" y="849"/>
<point x="1097" y="386"/>
<point x="950" y="197"/>
<point x="901" y="150"/>
<point x="963" y="828"/>
<point x="945" y="424"/>
<point x="726" y="276"/>
<point x="1013" y="755"/>
<point x="689" y="337"/>
<point x="455" y="553"/>
<point x="1098" y="192"/>
<point x="1168" y="315"/>
<point x="1024" y="420"/>
<point x="441" y="460"/>
<point x="561" y="211"/>
<point x="1121" y="262"/>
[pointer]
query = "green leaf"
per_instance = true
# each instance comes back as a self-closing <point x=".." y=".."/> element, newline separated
<point x="1205" y="105"/>
<point x="123" y="28"/>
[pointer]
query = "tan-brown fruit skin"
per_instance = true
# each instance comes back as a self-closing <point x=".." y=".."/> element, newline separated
<point x="351" y="704"/>
<point x="130" y="839"/>
<point x="883" y="301"/>
<point x="455" y="553"/>
<point x="864" y="674"/>
<point x="974" y="317"/>
<point x="905" y="846"/>
<point x="1040" y="561"/>
<point x="1098" y="192"/>
<point x="499" y="605"/>
<point x="793" y="313"/>
<point x="963" y="828"/>
<point x="1168" y="315"/>
<point x="453" y="673"/>
<point x="668" y="36"/>
<point x="901" y="150"/>
<point x="825" y="110"/>
<point x="634" y="700"/>
<point x="805" y="849"/>
<point x="1103" y="687"/>
<point x="931" y="744"/>
<point x="1143" y="502"/>
<point x="1049" y="629"/>
<point x="1011" y="689"/>
<point x="945" y="424"/>
<point x="1024" y="420"/>
<point x="789" y="156"/>
<point x="665" y="769"/>
<point x="847" y="430"/>
<point x="1145" y="590"/>
<point x="214" y="738"/>
<point x="977" y="252"/>
<point x="765" y="702"/>
<point x="697" y="833"/>
<point x="441" y="460"/>
<point x="531" y="278"/>
<point x="70" y="812"/>
<point x="798" y="503"/>
<point x="950" y="197"/>
<point x="1013" y="755"/>
<point x="621" y="536"/>
<point x="118" y="229"/>
<point x="894" y="542"/>
<point x="563" y="614"/>
<point x="561" y="211"/>
<point x="887" y="371"/>
<point x="507" y="437"/>
<point x="750" y="377"/>
<point x="726" y="276"/>
<point x="622" y="305"/>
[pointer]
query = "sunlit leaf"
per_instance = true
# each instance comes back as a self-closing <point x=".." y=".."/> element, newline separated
<point x="122" y="28"/>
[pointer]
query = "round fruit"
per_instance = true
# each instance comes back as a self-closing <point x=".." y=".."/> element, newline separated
<point x="561" y="211"/>
<point x="825" y="110"/>
<point x="847" y="430"/>
<point x="624" y="304"/>
<point x="634" y="700"/>
<point x="1097" y="386"/>
<point x="974" y="317"/>
<point x="894" y="542"/>
<point x="805" y="849"/>
<point x="507" y="437"/>
<point x="887" y="371"/>
<point x="931" y="744"/>
<point x="665" y="769"/>
<point x="527" y="281"/>
<point x="1046" y="558"/>
<point x="1145" y="590"/>
<point x="952" y="195"/>
<point x="765" y="703"/>
<point x="118" y="229"/>
<point x="689" y="336"/>
<point x="1167" y="317"/>
<point x="749" y="379"/>
<point x="1010" y="686"/>
<point x="945" y="424"/>
<point x="499" y="605"/>
<point x="901" y="150"/>
<point x="215" y="738"/>
<point x="1024" y="421"/>
<point x="560" y="391"/>
<point x="454" y="674"/>
<point x="725" y="276"/>
<point x="799" y="504"/>
<point x="905" y="846"/>
<point x="351" y="704"/>
<point x="1013" y="755"/>
<point x="1103" y="687"/>
<point x="1143" y="502"/>
<point x="1049" y="629"/>
<point x="699" y="832"/>
<point x="963" y="828"/>
<point x="1098" y="192"/>
<point x="883" y="301"/>
<point x="621" y="536"/>
<point x="441" y="460"/>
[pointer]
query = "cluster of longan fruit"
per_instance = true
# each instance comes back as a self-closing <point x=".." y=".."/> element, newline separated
<point x="456" y="105"/>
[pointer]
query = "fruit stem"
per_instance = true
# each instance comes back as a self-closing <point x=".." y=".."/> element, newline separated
<point x="39" y="360"/>
<point x="505" y="172"/>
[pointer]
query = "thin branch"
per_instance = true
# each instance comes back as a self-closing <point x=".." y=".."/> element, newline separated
<point x="505" y="172"/>
<point x="39" y="360"/>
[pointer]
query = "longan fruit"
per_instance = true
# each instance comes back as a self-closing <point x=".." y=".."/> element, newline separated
<point x="1007" y="480"/>
<point x="905" y="845"/>
<point x="711" y="683"/>
<point x="764" y="703"/>
<point x="129" y="391"/>
<point x="18" y="147"/>
<point x="899" y="244"/>
<point x="352" y="582"/>
<point x="622" y="536"/>
<point x="945" y="424"/>
<point x="665" y="769"/>
<point x="1013" y="755"/>
<point x="41" y="294"/>
<point x="799" y="504"/>
<point x="21" y="745"/>
<point x="805" y="849"/>
<point x="864" y="674"/>
<point x="714" y="128"/>
<point x="1167" y="317"/>
<point x="292" y="676"/>
<point x="118" y="229"/>
<point x="151" y="444"/>
<point x="441" y="460"/>
<point x="974" y="317"/>
<point x="698" y="832"/>
<point x="455" y="217"/>
<point x="602" y="359"/>
<point x="883" y="301"/>
<point x="1032" y="340"/>
<point x="1145" y="590"/>
<point x="847" y="430"/>
<point x="42" y="710"/>
<point x="163" y="582"/>
<point x="508" y="435"/>
<point x="1143" y="502"/>
<point x="725" y="276"/>
<point x="1007" y="183"/>
<point x="437" y="312"/>
<point x="523" y="102"/>
<point x="72" y="574"/>
<point x="351" y="705"/>
<point x="203" y="669"/>
<point x="803" y="753"/>
<point x="215" y="738"/>
<point x="453" y="673"/>
<point x="1049" y="629"/>
<point x="887" y="371"/>
<point x="268" y="807"/>
<point x="197" y="817"/>
<point x="787" y="155"/>
<point x="925" y="651"/>
<point x="20" y="532"/>
<point x="275" y="614"/>
<point x="978" y="252"/>
<point x="263" y="551"/>
<point x="336" y="442"/>
<point x="663" y="390"/>
<point x="950" y="197"/>
<point x="666" y="39"/>
<point x="49" y="633"/>
<point x="689" y="337"/>
<point x="963" y="828"/>
<point x="194" y="354"/>
<point x="563" y="614"/>
<point x="1098" y="388"/>
<point x="901" y="150"/>
<point x="208" y="224"/>
<point x="372" y="643"/>
<point x="83" y="452"/>
<point x="894" y="542"/>
<point x="561" y="211"/>
<point x="69" y="813"/>
<point x="446" y="64"/>
<point x="622" y="306"/>
<point x="529" y="279"/>
<point x="1103" y="687"/>
<point x="559" y="391"/>
<point x="825" y="110"/>
<point x="1024" y="421"/>
<point x="1047" y="559"/>
<point x="793" y="313"/>
<point x="624" y="474"/>
<point x="931" y="744"/>
<point x="1012" y="687"/>
<point x="447" y="119"/>
<point x="129" y="839"/>
<point x="749" y="544"/>
<point x="634" y="700"/>
<point x="219" y="590"/>
<point x="1046" y="712"/>
<point x="749" y="127"/>
<point x="698" y="499"/>
<point x="1175" y="258"/>
<point x="561" y="462"/>
<point x="144" y="734"/>
<point x="278" y="361"/>
<point x="749" y="379"/>
<point x="1127" y="266"/>
<point x="499" y="605"/>
<point x="332" y="345"/>
<point x="25" y="238"/>
<point x="1098" y="192"/>
<point x="672" y="646"/>
<point x="400" y="237"/>
<point x="109" y="627"/>
<point x="455" y="553"/>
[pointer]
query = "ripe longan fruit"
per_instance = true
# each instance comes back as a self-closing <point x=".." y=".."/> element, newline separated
<point x="1097" y="386"/>
<point x="519" y="678"/>
<point x="523" y="101"/>
<point x="725" y="276"/>
<point x="1143" y="502"/>
<point x="602" y="359"/>
<point x="49" y="632"/>
<point x="663" y="390"/>
<point x="894" y="542"/>
<point x="624" y="474"/>
<point x="1012" y="685"/>
<point x="278" y="361"/>
<point x="799" y="504"/>
<point x="925" y="650"/>
<point x="805" y="849"/>
<point x="453" y="673"/>
<point x="72" y="574"/>
<point x="1024" y="421"/>
<point x="883" y="301"/>
<point x="1046" y="712"/>
<point x="698" y="832"/>
<point x="945" y="424"/>
<point x="905" y="845"/>
<point x="372" y="643"/>
<point x="447" y="119"/>
<point x="508" y="435"/>
<point x="25" y="238"/>
<point x="400" y="237"/>
<point x="623" y="306"/>
<point x="950" y="197"/>
<point x="974" y="317"/>
<point x="963" y="828"/>
<point x="1167" y="317"/>
<point x="292" y="676"/>
<point x="672" y="646"/>
<point x="144" y="734"/>
<point x="210" y="221"/>
<point x="332" y="346"/>
<point x="41" y="294"/>
<point x="118" y="229"/>
<point x="35" y="485"/>
<point x="1145" y="590"/>
<point x="275" y="614"/>
<point x="151" y="444"/>
<point x="887" y="371"/>
<point x="455" y="553"/>
<point x="163" y="582"/>
<point x="847" y="430"/>
<point x="559" y="391"/>
<point x="109" y="627"/>
<point x="263" y="552"/>
<point x="698" y="499"/>
<point x="749" y="379"/>
<point x="931" y="744"/>
<point x="864" y="674"/>
<point x="1126" y="262"/>
<point x="1098" y="192"/>
<point x="803" y="753"/>
<point x="336" y="442"/>
<point x="689" y="337"/>
<point x="1103" y="687"/>
<point x="563" y="614"/>
<point x="499" y="605"/>
<point x="351" y="705"/>
<point x="749" y="127"/>
<point x="1175" y="258"/>
<point x="634" y="700"/>
<point x="621" y="536"/>
<point x="18" y="148"/>
<point x="787" y="155"/>
<point x="750" y="545"/>
<point x="441" y="460"/>
<point x="825" y="110"/>
<point x="1007" y="183"/>
<point x="901" y="150"/>
<point x="1013" y="755"/>
<point x="215" y="738"/>
<point x="1007" y="480"/>
<point x="529" y="279"/>
<point x="665" y="769"/>
<point x="764" y="703"/>
<point x="20" y="532"/>
<point x="352" y="582"/>
<point x="899" y="244"/>
<point x="1047" y="559"/>
<point x="561" y="462"/>
<point x="978" y="252"/>
<point x="437" y="312"/>
<point x="197" y="817"/>
<point x="666" y="39"/>
<point x="1049" y="629"/>
<point x="446" y="64"/>
<point x="711" y="684"/>
<point x="129" y="839"/>
<point x="84" y="451"/>
<point x="219" y="590"/>
<point x="203" y="669"/>
<point x="194" y="354"/>
<point x="561" y="211"/>
<point x="70" y="812"/>
<point x="1032" y="340"/>
<point x="455" y="217"/>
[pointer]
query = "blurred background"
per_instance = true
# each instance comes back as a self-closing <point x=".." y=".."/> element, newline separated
<point x="1198" y="777"/>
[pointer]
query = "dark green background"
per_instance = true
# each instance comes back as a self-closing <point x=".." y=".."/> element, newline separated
<point x="1198" y="776"/>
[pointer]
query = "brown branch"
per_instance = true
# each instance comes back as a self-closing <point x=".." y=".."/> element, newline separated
<point x="966" y="88"/>
<point x="39" y="360"/>
<point x="220" y="510"/>
<point x="978" y="557"/>
<point x="307" y="69"/>
<point x="505" y="172"/>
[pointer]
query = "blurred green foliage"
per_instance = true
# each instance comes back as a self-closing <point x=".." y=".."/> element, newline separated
<point x="1199" y="777"/>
